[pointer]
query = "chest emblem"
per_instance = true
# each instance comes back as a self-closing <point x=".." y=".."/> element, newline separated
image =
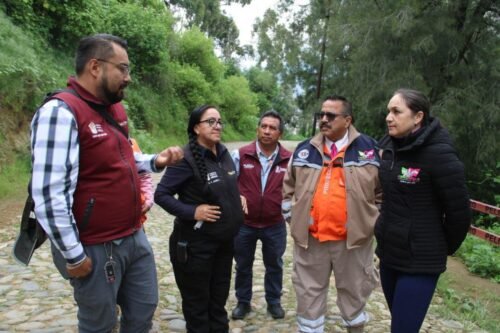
<point x="96" y="130"/>
<point x="279" y="169"/>
<point x="248" y="166"/>
<point x="409" y="175"/>
<point x="212" y="177"/>
<point x="367" y="155"/>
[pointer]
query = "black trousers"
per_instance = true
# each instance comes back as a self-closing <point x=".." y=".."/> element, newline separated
<point x="204" y="280"/>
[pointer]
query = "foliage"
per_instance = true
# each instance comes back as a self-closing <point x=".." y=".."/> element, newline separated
<point x="191" y="87"/>
<point x="14" y="174"/>
<point x="238" y="103"/>
<point x="197" y="50"/>
<point x="172" y="72"/>
<point x="467" y="308"/>
<point x="148" y="43"/>
<point x="62" y="23"/>
<point x="264" y="85"/>
<point x="208" y="16"/>
<point x="480" y="257"/>
<point x="27" y="71"/>
<point x="447" y="49"/>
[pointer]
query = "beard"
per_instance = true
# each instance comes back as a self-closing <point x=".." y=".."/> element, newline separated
<point x="110" y="96"/>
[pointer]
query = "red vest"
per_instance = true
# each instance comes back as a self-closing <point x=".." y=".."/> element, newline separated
<point x="106" y="202"/>
<point x="264" y="209"/>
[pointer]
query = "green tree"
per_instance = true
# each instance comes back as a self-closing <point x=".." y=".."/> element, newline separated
<point x="208" y="17"/>
<point x="194" y="48"/>
<point x="148" y="43"/>
<point x="448" y="49"/>
<point x="238" y="104"/>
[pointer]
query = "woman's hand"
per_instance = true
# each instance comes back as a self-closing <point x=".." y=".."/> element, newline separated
<point x="207" y="213"/>
<point x="244" y="204"/>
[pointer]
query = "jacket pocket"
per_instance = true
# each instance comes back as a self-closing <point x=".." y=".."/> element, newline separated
<point x="396" y="241"/>
<point x="87" y="214"/>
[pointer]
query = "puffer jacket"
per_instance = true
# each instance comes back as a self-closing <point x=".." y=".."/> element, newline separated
<point x="425" y="211"/>
<point x="361" y="182"/>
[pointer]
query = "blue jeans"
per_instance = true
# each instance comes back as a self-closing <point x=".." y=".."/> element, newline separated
<point x="273" y="240"/>
<point x="408" y="297"/>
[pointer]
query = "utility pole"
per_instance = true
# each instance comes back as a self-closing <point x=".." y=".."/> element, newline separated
<point x="321" y="63"/>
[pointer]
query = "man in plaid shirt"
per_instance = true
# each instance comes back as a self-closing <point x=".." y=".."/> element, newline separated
<point x="86" y="190"/>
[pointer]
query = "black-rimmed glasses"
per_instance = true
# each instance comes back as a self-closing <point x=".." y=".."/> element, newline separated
<point x="124" y="68"/>
<point x="212" y="121"/>
<point x="329" y="115"/>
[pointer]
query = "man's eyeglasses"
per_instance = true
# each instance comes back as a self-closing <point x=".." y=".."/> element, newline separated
<point x="330" y="116"/>
<point x="124" y="68"/>
<point x="212" y="121"/>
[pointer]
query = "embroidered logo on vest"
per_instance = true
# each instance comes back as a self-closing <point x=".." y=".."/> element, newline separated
<point x="248" y="166"/>
<point x="409" y="175"/>
<point x="96" y="130"/>
<point x="279" y="169"/>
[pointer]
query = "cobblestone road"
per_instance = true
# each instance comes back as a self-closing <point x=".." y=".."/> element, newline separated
<point x="37" y="299"/>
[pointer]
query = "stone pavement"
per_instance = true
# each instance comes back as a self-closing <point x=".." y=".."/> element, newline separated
<point x="38" y="299"/>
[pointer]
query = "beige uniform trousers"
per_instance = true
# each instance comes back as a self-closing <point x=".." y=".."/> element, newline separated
<point x="355" y="279"/>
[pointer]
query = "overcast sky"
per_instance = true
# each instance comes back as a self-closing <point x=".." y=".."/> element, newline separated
<point x="244" y="17"/>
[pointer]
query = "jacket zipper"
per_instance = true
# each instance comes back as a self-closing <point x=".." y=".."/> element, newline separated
<point x="134" y="187"/>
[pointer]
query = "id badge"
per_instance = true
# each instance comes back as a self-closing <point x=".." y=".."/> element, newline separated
<point x="109" y="271"/>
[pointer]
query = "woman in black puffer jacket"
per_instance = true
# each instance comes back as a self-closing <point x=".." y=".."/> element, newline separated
<point x="425" y="211"/>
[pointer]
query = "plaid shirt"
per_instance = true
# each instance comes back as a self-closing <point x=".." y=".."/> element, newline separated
<point x="55" y="158"/>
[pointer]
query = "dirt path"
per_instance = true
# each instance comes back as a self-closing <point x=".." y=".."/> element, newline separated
<point x="474" y="288"/>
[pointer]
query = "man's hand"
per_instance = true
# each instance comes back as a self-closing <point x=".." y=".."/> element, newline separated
<point x="244" y="204"/>
<point x="80" y="270"/>
<point x="286" y="210"/>
<point x="169" y="156"/>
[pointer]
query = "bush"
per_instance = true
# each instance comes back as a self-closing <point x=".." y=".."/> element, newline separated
<point x="191" y="87"/>
<point x="195" y="49"/>
<point x="238" y="103"/>
<point x="148" y="43"/>
<point x="480" y="257"/>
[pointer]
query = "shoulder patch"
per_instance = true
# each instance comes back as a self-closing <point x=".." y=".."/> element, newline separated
<point x="366" y="155"/>
<point x="303" y="154"/>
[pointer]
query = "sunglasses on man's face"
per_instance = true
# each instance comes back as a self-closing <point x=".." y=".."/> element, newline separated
<point x="329" y="115"/>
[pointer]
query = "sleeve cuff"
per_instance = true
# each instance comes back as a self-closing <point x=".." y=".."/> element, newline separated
<point x="75" y="255"/>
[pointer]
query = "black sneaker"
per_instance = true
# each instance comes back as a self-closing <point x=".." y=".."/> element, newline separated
<point x="241" y="310"/>
<point x="276" y="311"/>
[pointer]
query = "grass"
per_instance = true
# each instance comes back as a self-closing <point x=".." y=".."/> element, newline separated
<point x="14" y="177"/>
<point x="467" y="309"/>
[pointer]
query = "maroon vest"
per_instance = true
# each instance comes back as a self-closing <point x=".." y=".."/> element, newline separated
<point x="264" y="209"/>
<point x="106" y="202"/>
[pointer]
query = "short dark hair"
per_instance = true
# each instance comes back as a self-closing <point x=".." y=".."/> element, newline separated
<point x="273" y="114"/>
<point x="416" y="101"/>
<point x="347" y="106"/>
<point x="98" y="46"/>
